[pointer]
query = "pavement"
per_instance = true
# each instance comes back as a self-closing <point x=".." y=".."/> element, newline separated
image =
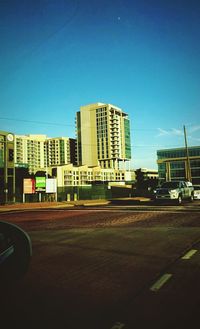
<point x="70" y="204"/>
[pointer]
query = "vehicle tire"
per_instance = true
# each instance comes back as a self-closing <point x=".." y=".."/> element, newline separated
<point x="179" y="200"/>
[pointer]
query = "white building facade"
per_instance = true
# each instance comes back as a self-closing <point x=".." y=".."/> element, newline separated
<point x="37" y="152"/>
<point x="70" y="175"/>
<point x="29" y="151"/>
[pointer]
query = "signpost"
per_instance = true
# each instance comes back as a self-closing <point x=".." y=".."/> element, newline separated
<point x="28" y="187"/>
<point x="51" y="186"/>
<point x="40" y="186"/>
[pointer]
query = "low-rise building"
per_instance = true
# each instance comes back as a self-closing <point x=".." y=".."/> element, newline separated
<point x="146" y="179"/>
<point x="174" y="164"/>
<point x="70" y="175"/>
<point x="146" y="173"/>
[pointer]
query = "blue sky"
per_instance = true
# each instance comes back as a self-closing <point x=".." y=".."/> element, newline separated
<point x="143" y="56"/>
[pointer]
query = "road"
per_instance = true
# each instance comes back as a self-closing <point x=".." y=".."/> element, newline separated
<point x="108" y="267"/>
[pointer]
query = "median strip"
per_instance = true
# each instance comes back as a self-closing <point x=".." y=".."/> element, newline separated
<point x="189" y="254"/>
<point x="158" y="284"/>
<point x="95" y="204"/>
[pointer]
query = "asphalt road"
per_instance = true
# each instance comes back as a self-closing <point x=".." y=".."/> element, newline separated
<point x="108" y="267"/>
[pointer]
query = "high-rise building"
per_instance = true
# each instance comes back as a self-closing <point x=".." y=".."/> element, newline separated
<point x="29" y="151"/>
<point x="60" y="151"/>
<point x="103" y="136"/>
<point x="37" y="152"/>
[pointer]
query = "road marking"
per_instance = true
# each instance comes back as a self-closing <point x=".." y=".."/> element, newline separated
<point x="158" y="284"/>
<point x="118" y="325"/>
<point x="189" y="254"/>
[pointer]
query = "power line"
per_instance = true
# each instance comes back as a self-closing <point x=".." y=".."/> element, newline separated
<point x="133" y="146"/>
<point x="38" y="122"/>
<point x="69" y="125"/>
<point x="63" y="124"/>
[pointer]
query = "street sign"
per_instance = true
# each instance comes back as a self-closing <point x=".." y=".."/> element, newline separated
<point x="51" y="185"/>
<point x="40" y="184"/>
<point x="29" y="186"/>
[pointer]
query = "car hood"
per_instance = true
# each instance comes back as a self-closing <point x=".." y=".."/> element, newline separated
<point x="164" y="189"/>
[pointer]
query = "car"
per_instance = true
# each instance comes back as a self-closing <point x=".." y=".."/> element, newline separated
<point x="196" y="192"/>
<point x="15" y="251"/>
<point x="175" y="191"/>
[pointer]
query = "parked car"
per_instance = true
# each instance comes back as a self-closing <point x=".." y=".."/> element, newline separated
<point x="175" y="191"/>
<point x="196" y="192"/>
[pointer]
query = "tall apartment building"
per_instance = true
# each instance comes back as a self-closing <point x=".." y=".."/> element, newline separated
<point x="103" y="136"/>
<point x="60" y="151"/>
<point x="29" y="151"/>
<point x="38" y="152"/>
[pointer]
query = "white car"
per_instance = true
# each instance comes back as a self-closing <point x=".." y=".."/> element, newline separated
<point x="196" y="192"/>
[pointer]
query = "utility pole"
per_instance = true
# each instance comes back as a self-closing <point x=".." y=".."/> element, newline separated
<point x="5" y="170"/>
<point x="187" y="169"/>
<point x="8" y="166"/>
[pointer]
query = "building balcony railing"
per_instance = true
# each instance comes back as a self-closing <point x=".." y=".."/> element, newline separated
<point x="114" y="128"/>
<point x="114" y="148"/>
<point x="114" y="140"/>
<point x="115" y="155"/>
<point x="114" y="122"/>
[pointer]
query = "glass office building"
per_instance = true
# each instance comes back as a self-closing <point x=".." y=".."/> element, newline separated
<point x="173" y="164"/>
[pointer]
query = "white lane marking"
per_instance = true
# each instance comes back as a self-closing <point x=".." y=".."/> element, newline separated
<point x="118" y="325"/>
<point x="189" y="254"/>
<point x="158" y="284"/>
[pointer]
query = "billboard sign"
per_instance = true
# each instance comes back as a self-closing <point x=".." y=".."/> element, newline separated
<point x="29" y="186"/>
<point x="40" y="184"/>
<point x="51" y="185"/>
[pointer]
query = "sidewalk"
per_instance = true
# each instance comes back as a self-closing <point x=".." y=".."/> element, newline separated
<point x="70" y="204"/>
<point x="48" y="205"/>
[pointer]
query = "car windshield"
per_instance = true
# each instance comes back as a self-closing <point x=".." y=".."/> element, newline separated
<point x="170" y="185"/>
